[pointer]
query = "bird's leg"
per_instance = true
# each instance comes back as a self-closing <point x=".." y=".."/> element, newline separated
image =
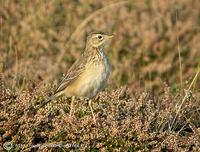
<point x="90" y="105"/>
<point x="72" y="107"/>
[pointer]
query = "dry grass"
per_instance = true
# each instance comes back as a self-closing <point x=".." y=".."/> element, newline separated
<point x="155" y="56"/>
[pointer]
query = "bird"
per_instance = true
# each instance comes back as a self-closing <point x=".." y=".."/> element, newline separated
<point x="89" y="73"/>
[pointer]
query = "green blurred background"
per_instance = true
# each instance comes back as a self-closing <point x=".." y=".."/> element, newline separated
<point x="38" y="43"/>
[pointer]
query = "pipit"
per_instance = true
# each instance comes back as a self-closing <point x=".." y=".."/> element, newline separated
<point x="89" y="74"/>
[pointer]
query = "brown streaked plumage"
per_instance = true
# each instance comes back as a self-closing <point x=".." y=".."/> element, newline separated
<point x="89" y="74"/>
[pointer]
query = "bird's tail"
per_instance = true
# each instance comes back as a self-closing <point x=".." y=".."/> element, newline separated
<point x="43" y="103"/>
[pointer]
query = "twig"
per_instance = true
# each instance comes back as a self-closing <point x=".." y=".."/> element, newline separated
<point x="179" y="54"/>
<point x="185" y="97"/>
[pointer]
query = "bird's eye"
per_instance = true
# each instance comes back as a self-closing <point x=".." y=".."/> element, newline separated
<point x="100" y="37"/>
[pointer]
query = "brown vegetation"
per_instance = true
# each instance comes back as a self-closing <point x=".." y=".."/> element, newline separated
<point x="152" y="99"/>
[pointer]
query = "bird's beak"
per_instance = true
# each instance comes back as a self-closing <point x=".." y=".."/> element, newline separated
<point x="110" y="36"/>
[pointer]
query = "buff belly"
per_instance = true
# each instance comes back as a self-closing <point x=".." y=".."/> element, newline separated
<point x="90" y="82"/>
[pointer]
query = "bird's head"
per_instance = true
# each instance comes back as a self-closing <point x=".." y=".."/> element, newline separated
<point x="98" y="40"/>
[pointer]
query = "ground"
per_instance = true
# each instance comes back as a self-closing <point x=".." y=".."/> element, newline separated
<point x="151" y="102"/>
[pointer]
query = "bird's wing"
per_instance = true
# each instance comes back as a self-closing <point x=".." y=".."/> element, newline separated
<point x="73" y="73"/>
